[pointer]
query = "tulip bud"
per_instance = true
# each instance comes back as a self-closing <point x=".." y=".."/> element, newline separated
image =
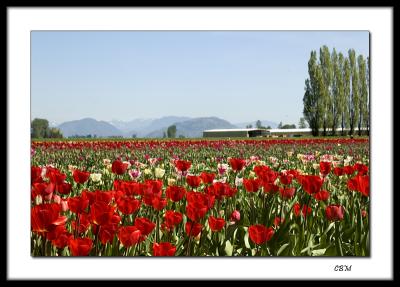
<point x="235" y="216"/>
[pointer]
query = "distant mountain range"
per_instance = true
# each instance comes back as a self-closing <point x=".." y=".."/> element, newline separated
<point x="194" y="128"/>
<point x="149" y="128"/>
<point x="88" y="126"/>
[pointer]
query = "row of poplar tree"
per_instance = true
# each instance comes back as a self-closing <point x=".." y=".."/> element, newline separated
<point x="337" y="93"/>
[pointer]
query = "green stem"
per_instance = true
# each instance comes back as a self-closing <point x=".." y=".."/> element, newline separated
<point x="134" y="249"/>
<point x="97" y="240"/>
<point x="44" y="246"/>
<point x="316" y="216"/>
<point x="188" y="245"/>
<point x="337" y="239"/>
<point x="158" y="228"/>
<point x="77" y="223"/>
<point x="201" y="239"/>
<point x="352" y="208"/>
<point x="306" y="213"/>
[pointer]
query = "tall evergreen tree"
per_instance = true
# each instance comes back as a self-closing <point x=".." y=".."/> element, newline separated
<point x="171" y="131"/>
<point x="326" y="91"/>
<point x="368" y="93"/>
<point x="362" y="92"/>
<point x="339" y="78"/>
<point x="312" y="100"/>
<point x="336" y="83"/>
<point x="39" y="128"/>
<point x="354" y="96"/>
<point x="302" y="123"/>
<point x="346" y="90"/>
<point x="337" y="92"/>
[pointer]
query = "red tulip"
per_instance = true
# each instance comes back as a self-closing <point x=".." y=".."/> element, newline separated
<point x="84" y="223"/>
<point x="61" y="237"/>
<point x="361" y="168"/>
<point x="80" y="246"/>
<point x="324" y="168"/>
<point x="207" y="200"/>
<point x="128" y="205"/>
<point x="334" y="212"/>
<point x="322" y="195"/>
<point x="216" y="224"/>
<point x="265" y="174"/>
<point x="270" y="188"/>
<point x="129" y="188"/>
<point x="364" y="213"/>
<point x="305" y="209"/>
<point x="278" y="221"/>
<point x="193" y="228"/>
<point x="348" y="169"/>
<point x="55" y="176"/>
<point x="158" y="203"/>
<point x="57" y="230"/>
<point x="196" y="210"/>
<point x="218" y="189"/>
<point x="230" y="191"/>
<point x="118" y="167"/>
<point x="259" y="234"/>
<point x="43" y="189"/>
<point x="287" y="193"/>
<point x="80" y="176"/>
<point x="151" y="189"/>
<point x="144" y="225"/>
<point x="101" y="213"/>
<point x="183" y="165"/>
<point x="64" y="188"/>
<point x="311" y="183"/>
<point x="207" y="178"/>
<point x="193" y="181"/>
<point x="251" y="185"/>
<point x="45" y="217"/>
<point x="172" y="218"/>
<point x="163" y="249"/>
<point x="78" y="204"/>
<point x="285" y="178"/>
<point x="338" y="171"/>
<point x="129" y="235"/>
<point x="237" y="164"/>
<point x="36" y="174"/>
<point x="107" y="232"/>
<point x="175" y="193"/>
<point x="235" y="216"/>
<point x="360" y="184"/>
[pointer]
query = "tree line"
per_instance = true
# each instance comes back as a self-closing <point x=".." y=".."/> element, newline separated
<point x="40" y="129"/>
<point x="280" y="126"/>
<point x="337" y="92"/>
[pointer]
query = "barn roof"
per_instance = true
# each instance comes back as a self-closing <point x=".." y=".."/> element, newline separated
<point x="283" y="131"/>
<point x="233" y="130"/>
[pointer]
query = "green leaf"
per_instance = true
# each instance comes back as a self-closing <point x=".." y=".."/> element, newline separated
<point x="228" y="248"/>
<point x="330" y="251"/>
<point x="305" y="249"/>
<point x="348" y="233"/>
<point x="318" y="252"/>
<point x="329" y="227"/>
<point x="282" y="248"/>
<point x="246" y="240"/>
<point x="322" y="240"/>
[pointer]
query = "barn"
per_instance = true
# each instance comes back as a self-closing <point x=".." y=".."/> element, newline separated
<point x="235" y="133"/>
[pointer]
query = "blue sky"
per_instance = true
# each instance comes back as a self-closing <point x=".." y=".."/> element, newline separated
<point x="237" y="76"/>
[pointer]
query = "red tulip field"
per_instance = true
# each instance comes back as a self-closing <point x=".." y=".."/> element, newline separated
<point x="262" y="197"/>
